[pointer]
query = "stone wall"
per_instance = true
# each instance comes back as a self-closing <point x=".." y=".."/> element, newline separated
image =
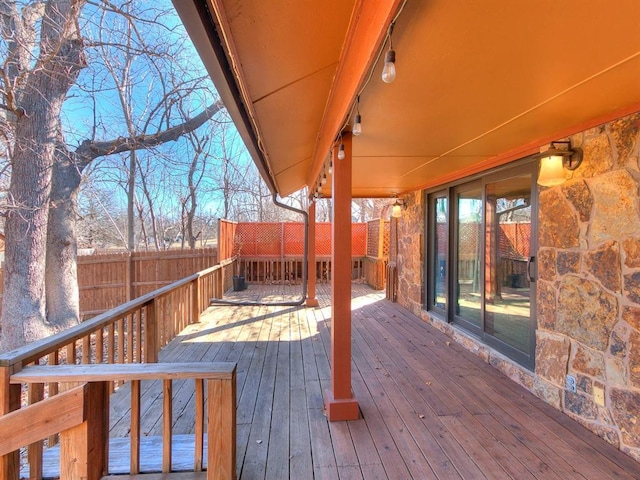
<point x="410" y="231"/>
<point x="588" y="297"/>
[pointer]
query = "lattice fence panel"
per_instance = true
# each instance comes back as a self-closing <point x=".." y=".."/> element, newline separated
<point x="358" y="239"/>
<point x="373" y="233"/>
<point x="258" y="239"/>
<point x="386" y="239"/>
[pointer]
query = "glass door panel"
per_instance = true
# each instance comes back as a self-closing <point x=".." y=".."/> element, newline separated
<point x="469" y="254"/>
<point x="440" y="212"/>
<point x="507" y="290"/>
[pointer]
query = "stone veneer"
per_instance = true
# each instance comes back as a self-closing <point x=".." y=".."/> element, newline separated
<point x="588" y="289"/>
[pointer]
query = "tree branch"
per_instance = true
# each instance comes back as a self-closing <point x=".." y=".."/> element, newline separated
<point x="88" y="150"/>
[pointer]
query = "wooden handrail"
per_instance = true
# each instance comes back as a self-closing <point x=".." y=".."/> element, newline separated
<point x="124" y="371"/>
<point x="38" y="349"/>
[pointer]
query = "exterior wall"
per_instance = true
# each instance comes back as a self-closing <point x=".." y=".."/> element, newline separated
<point x="588" y="299"/>
<point x="408" y="233"/>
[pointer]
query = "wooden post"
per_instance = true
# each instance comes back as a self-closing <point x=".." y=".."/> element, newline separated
<point x="312" y="301"/>
<point x="221" y="428"/>
<point x="9" y="401"/>
<point x="130" y="280"/>
<point x="83" y="449"/>
<point x="340" y="403"/>
<point x="151" y="334"/>
<point x="195" y="301"/>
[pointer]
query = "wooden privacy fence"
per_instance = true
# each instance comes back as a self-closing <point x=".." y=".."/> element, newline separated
<point x="132" y="333"/>
<point x="111" y="279"/>
<point x="274" y="252"/>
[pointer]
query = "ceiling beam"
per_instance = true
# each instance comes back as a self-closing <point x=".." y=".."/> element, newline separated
<point x="367" y="30"/>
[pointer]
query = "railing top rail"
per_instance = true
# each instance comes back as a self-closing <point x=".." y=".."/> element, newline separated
<point x="38" y="349"/>
<point x="124" y="372"/>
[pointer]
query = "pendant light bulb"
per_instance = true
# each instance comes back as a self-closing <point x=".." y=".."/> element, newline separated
<point x="320" y="188"/>
<point x="341" y="152"/>
<point x="389" y="69"/>
<point x="357" y="125"/>
<point x="330" y="169"/>
<point x="324" y="179"/>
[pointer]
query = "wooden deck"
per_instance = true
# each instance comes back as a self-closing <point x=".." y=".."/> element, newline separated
<point x="430" y="409"/>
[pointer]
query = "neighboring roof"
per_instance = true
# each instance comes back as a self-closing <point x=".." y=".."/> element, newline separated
<point x="479" y="83"/>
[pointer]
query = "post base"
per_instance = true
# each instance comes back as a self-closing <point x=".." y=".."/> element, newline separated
<point x="341" y="409"/>
<point x="312" y="302"/>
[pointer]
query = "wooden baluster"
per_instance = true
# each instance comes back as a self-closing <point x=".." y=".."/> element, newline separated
<point x="99" y="345"/>
<point x="167" y="420"/>
<point x="111" y="345"/>
<point x="86" y="349"/>
<point x="53" y="390"/>
<point x="139" y="336"/>
<point x="35" y="450"/>
<point x="71" y="353"/>
<point x="135" y="427"/>
<point x="150" y="334"/>
<point x="199" y="425"/>
<point x="130" y="336"/>
<point x="121" y="334"/>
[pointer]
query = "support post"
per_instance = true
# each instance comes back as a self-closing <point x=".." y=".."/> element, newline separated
<point x="221" y="428"/>
<point x="340" y="403"/>
<point x="9" y="401"/>
<point x="83" y="450"/>
<point x="312" y="301"/>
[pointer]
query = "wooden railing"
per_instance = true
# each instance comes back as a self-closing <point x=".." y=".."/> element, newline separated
<point x="289" y="269"/>
<point x="131" y="333"/>
<point x="78" y="415"/>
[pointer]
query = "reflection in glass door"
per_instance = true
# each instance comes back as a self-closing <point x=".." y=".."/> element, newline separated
<point x="469" y="254"/>
<point x="507" y="291"/>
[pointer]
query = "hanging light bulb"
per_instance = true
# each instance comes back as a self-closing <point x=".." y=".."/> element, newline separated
<point x="341" y="152"/>
<point x="324" y="179"/>
<point x="357" y="125"/>
<point x="357" y="119"/>
<point x="389" y="69"/>
<point x="320" y="187"/>
<point x="330" y="169"/>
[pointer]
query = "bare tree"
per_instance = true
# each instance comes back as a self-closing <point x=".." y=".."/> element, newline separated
<point x="45" y="54"/>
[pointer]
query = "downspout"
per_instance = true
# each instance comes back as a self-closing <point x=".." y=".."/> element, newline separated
<point x="303" y="296"/>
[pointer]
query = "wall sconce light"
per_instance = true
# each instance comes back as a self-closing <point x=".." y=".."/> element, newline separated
<point x="398" y="206"/>
<point x="554" y="160"/>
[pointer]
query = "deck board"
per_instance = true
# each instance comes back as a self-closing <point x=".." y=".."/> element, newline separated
<point x="430" y="409"/>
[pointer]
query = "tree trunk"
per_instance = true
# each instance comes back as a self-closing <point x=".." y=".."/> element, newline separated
<point x="36" y="133"/>
<point x="131" y="193"/>
<point x="63" y="303"/>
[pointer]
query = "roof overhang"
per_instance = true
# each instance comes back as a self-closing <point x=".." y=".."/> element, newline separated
<point x="479" y="84"/>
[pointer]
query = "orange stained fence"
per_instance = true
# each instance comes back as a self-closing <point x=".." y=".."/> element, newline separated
<point x="286" y="239"/>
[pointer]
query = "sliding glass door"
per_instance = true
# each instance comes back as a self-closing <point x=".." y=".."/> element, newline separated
<point x="481" y="259"/>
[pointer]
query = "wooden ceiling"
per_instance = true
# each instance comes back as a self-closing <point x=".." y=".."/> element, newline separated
<point x="478" y="83"/>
